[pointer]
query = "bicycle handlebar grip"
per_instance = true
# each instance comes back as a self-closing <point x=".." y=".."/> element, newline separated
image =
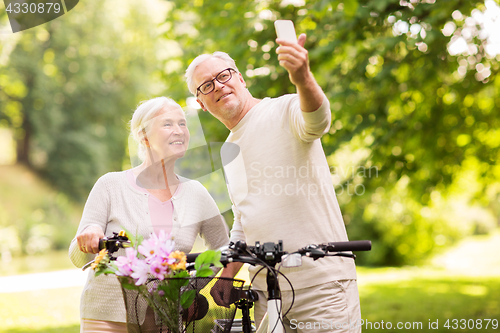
<point x="362" y="245"/>
<point x="191" y="257"/>
<point x="102" y="245"/>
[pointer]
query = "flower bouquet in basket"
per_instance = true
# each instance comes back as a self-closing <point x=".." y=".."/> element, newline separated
<point x="156" y="276"/>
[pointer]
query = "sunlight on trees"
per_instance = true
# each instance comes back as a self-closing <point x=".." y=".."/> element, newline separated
<point x="413" y="87"/>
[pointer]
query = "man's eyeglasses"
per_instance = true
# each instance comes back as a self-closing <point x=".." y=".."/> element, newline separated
<point x="209" y="86"/>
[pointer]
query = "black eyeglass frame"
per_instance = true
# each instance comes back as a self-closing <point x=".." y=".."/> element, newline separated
<point x="215" y="78"/>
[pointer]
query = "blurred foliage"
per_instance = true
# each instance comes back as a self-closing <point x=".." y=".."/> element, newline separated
<point x="70" y="87"/>
<point x="33" y="217"/>
<point x="414" y="141"/>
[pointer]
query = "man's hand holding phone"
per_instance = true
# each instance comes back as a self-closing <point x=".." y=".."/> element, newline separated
<point x="294" y="58"/>
<point x="291" y="53"/>
<point x="285" y="30"/>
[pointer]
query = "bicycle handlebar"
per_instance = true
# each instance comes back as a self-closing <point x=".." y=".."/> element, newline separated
<point x="273" y="253"/>
<point x="112" y="244"/>
<point x="269" y="252"/>
<point x="115" y="242"/>
<point x="361" y="245"/>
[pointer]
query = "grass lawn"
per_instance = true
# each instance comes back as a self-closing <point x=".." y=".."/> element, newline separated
<point x="416" y="302"/>
<point x="48" y="311"/>
<point x="461" y="287"/>
<point x="420" y="302"/>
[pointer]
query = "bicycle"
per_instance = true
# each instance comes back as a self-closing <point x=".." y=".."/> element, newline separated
<point x="268" y="255"/>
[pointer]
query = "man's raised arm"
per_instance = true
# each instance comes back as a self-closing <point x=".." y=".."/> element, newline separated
<point x="294" y="58"/>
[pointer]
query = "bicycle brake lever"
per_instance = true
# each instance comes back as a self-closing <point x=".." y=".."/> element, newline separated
<point x="343" y="254"/>
<point x="313" y="251"/>
<point x="87" y="265"/>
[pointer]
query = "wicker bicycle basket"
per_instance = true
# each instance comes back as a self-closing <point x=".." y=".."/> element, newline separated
<point x="204" y="315"/>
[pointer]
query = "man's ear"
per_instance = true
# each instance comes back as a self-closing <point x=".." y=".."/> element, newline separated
<point x="201" y="104"/>
<point x="242" y="80"/>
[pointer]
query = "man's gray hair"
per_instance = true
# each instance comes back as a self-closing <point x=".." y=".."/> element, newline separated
<point x="144" y="116"/>
<point x="201" y="58"/>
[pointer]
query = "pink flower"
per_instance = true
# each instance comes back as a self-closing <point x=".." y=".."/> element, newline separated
<point x="141" y="270"/>
<point x="160" y="245"/>
<point x="166" y="241"/>
<point x="160" y="259"/>
<point x="166" y="248"/>
<point x="149" y="248"/>
<point x="125" y="263"/>
<point x="157" y="269"/>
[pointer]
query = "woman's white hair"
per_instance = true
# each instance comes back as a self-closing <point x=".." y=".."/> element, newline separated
<point x="144" y="117"/>
<point x="201" y="58"/>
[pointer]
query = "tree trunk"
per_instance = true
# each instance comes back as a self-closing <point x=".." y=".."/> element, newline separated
<point x="23" y="143"/>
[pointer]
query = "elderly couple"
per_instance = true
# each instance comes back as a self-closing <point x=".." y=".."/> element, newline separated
<point x="272" y="134"/>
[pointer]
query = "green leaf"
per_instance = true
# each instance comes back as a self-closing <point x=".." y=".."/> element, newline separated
<point x="107" y="270"/>
<point x="216" y="261"/>
<point x="171" y="292"/>
<point x="99" y="272"/>
<point x="217" y="256"/>
<point x="128" y="284"/>
<point x="182" y="274"/>
<point x="187" y="298"/>
<point x="209" y="257"/>
<point x="218" y="264"/>
<point x="204" y="271"/>
<point x="135" y="239"/>
<point x="178" y="282"/>
<point x="204" y="258"/>
<point x="350" y="7"/>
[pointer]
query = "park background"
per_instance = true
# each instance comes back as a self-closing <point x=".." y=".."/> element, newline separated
<point x="413" y="147"/>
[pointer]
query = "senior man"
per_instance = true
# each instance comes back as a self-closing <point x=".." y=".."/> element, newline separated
<point x="280" y="184"/>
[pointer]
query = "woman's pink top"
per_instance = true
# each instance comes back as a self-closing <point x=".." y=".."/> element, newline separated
<point x="160" y="212"/>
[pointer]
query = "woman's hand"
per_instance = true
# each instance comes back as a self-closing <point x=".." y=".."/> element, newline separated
<point x="88" y="240"/>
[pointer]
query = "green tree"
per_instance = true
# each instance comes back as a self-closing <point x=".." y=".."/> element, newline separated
<point x="414" y="142"/>
<point x="70" y="87"/>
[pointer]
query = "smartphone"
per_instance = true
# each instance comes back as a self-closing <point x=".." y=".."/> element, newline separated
<point x="285" y="30"/>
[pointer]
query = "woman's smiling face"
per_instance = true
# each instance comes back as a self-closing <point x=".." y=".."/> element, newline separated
<point x="168" y="136"/>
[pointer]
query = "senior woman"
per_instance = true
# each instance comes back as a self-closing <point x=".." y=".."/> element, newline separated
<point x="143" y="200"/>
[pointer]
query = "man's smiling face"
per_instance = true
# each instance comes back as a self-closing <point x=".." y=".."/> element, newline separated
<point x="227" y="100"/>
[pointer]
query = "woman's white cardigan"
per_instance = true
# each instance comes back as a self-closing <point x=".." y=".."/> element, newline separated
<point x="114" y="204"/>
